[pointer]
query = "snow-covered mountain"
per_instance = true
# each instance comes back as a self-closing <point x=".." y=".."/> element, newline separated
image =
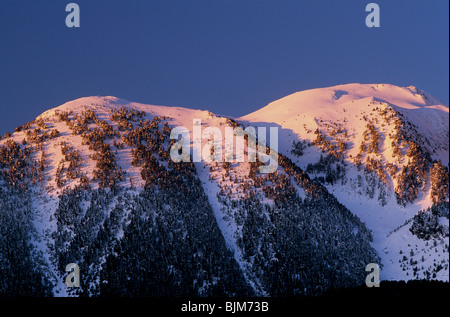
<point x="376" y="148"/>
<point x="92" y="182"/>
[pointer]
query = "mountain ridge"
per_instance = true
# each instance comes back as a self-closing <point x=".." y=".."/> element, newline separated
<point x="115" y="153"/>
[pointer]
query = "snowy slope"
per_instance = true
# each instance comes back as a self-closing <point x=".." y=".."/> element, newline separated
<point x="349" y="108"/>
<point x="45" y="199"/>
<point x="346" y="104"/>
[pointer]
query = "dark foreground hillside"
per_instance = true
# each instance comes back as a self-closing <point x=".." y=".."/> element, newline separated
<point x="397" y="297"/>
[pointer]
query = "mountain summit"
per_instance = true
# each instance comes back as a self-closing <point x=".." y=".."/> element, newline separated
<point x="362" y="178"/>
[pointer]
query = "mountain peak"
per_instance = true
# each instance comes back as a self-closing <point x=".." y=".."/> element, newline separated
<point x="322" y="98"/>
<point x="84" y="103"/>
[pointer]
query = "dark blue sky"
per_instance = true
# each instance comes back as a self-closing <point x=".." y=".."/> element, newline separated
<point x="231" y="57"/>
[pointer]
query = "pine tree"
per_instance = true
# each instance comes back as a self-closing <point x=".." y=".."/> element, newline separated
<point x="439" y="182"/>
